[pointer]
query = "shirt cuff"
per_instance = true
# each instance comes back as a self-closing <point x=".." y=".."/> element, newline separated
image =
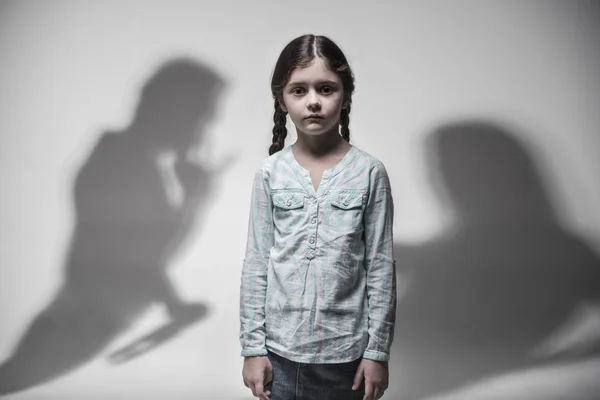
<point x="376" y="356"/>
<point x="254" y="352"/>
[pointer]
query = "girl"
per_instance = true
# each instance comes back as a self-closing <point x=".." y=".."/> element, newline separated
<point x="318" y="290"/>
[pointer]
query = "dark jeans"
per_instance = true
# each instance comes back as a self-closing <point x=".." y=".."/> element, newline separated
<point x="299" y="381"/>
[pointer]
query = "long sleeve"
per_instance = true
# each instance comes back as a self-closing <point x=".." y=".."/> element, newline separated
<point x="380" y="265"/>
<point x="254" y="271"/>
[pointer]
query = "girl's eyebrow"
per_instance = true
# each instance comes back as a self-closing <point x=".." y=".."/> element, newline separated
<point x="327" y="81"/>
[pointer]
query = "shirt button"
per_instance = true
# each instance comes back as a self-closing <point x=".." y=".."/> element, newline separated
<point x="315" y="200"/>
<point x="346" y="202"/>
<point x="289" y="202"/>
<point x="314" y="220"/>
<point x="312" y="240"/>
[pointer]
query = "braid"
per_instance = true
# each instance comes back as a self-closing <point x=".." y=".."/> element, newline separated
<point x="345" y="122"/>
<point x="279" y="130"/>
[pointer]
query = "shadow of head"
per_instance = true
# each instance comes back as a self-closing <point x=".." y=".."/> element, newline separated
<point x="485" y="173"/>
<point x="176" y="104"/>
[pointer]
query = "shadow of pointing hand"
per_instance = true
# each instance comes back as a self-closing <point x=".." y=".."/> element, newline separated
<point x="182" y="317"/>
<point x="578" y="336"/>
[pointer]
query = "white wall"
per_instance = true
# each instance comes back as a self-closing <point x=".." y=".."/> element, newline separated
<point x="70" y="70"/>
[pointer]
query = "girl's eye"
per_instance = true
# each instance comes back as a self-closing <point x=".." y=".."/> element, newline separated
<point x="327" y="89"/>
<point x="297" y="91"/>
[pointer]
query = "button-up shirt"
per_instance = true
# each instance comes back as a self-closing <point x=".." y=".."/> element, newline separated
<point x="318" y="279"/>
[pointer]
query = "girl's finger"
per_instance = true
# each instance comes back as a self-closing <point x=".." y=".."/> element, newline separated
<point x="377" y="393"/>
<point x="368" y="390"/>
<point x="260" y="392"/>
<point x="358" y="377"/>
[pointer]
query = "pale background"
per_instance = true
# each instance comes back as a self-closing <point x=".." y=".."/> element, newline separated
<point x="72" y="70"/>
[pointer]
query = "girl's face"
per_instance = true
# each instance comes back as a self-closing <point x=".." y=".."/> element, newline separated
<point x="313" y="98"/>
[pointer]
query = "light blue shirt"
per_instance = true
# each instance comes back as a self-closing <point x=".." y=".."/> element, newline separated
<point x="318" y="280"/>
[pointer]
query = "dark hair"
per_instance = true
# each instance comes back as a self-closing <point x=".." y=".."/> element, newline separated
<point x="299" y="53"/>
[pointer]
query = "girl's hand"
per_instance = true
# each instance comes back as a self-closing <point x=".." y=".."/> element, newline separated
<point x="376" y="376"/>
<point x="257" y="372"/>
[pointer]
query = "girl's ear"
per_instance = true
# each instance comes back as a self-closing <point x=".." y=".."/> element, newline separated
<point x="345" y="103"/>
<point x="282" y="104"/>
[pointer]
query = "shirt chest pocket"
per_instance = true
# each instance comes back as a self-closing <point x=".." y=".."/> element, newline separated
<point x="346" y="209"/>
<point x="288" y="208"/>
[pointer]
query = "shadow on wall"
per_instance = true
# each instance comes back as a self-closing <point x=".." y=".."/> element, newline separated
<point x="136" y="198"/>
<point x="490" y="296"/>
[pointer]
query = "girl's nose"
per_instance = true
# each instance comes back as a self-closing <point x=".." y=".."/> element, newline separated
<point x="313" y="101"/>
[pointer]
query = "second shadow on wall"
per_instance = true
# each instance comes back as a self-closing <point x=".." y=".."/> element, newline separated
<point x="136" y="199"/>
<point x="506" y="275"/>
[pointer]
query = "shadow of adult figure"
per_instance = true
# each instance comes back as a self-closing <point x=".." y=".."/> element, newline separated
<point x="136" y="199"/>
<point x="486" y="294"/>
